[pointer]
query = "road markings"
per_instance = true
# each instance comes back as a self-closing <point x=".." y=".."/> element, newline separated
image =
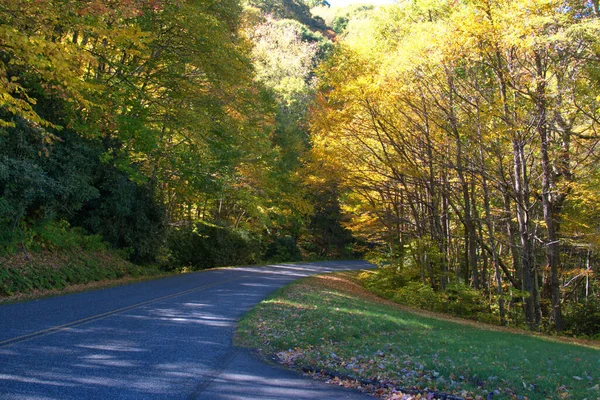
<point x="83" y="321"/>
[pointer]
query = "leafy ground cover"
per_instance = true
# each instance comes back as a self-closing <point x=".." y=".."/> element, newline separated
<point x="24" y="276"/>
<point x="331" y="326"/>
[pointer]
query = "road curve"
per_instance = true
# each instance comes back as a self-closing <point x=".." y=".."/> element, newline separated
<point x="164" y="339"/>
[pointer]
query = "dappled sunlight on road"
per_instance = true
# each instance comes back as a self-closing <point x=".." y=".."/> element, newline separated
<point x="144" y="351"/>
<point x="126" y="346"/>
<point x="243" y="380"/>
<point x="302" y="270"/>
<point x="181" y="315"/>
<point x="106" y="361"/>
<point x="246" y="384"/>
<point x="37" y="381"/>
<point x="168" y="347"/>
<point x="256" y="285"/>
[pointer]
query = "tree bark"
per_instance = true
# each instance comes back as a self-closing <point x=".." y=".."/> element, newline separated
<point x="548" y="192"/>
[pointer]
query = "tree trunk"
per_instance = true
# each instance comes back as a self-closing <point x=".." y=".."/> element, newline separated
<point x="522" y="204"/>
<point x="548" y="195"/>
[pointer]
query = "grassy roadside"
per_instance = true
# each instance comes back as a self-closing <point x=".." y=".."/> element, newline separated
<point x="331" y="323"/>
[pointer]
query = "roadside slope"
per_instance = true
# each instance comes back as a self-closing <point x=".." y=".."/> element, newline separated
<point x="31" y="275"/>
<point x="329" y="323"/>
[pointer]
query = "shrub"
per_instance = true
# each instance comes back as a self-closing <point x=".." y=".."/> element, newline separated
<point x="583" y="319"/>
<point x="463" y="301"/>
<point x="283" y="249"/>
<point x="126" y="215"/>
<point x="202" y="246"/>
<point x="58" y="235"/>
<point x="417" y="294"/>
<point x="76" y="182"/>
<point x="400" y="285"/>
<point x="57" y="270"/>
<point x="385" y="281"/>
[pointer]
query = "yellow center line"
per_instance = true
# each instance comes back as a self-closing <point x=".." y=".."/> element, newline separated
<point x="59" y="328"/>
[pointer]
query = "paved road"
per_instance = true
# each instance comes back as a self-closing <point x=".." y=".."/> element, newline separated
<point x="164" y="339"/>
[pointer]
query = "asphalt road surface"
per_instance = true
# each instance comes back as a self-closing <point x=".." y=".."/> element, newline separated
<point x="164" y="339"/>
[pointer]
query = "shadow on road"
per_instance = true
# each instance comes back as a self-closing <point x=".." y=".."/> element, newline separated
<point x="179" y="347"/>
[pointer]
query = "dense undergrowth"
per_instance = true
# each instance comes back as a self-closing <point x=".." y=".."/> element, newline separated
<point x="40" y="272"/>
<point x="55" y="257"/>
<point x="458" y="299"/>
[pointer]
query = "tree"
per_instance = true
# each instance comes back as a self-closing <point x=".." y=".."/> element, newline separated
<point x="455" y="122"/>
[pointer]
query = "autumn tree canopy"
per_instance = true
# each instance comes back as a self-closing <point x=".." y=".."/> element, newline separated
<point x="155" y="123"/>
<point x="454" y="142"/>
<point x="467" y="134"/>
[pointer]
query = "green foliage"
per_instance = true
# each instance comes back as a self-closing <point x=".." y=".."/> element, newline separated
<point x="148" y="98"/>
<point x="26" y="187"/>
<point x="403" y="286"/>
<point x="58" y="235"/>
<point x="52" y="271"/>
<point x="126" y="215"/>
<point x="43" y="193"/>
<point x="35" y="188"/>
<point x="327" y="235"/>
<point x="118" y="121"/>
<point x="463" y="301"/>
<point x="385" y="281"/>
<point x="417" y="294"/>
<point x="285" y="53"/>
<point x="298" y="10"/>
<point x="313" y="3"/>
<point x="339" y="23"/>
<point x="343" y="17"/>
<point x="283" y="249"/>
<point x="202" y="246"/>
<point x="583" y="319"/>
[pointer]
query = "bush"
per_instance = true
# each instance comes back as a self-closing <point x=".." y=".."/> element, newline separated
<point x="583" y="319"/>
<point x="463" y="301"/>
<point x="385" y="281"/>
<point x="74" y="181"/>
<point x="58" y="235"/>
<point x="283" y="249"/>
<point x="125" y="214"/>
<point x="401" y="286"/>
<point x="202" y="246"/>
<point x="57" y="270"/>
<point x="417" y="294"/>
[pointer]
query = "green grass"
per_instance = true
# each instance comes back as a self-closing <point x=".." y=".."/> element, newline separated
<point x="331" y="323"/>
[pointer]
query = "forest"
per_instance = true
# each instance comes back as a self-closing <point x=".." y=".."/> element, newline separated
<point x="173" y="130"/>
<point x="453" y="143"/>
